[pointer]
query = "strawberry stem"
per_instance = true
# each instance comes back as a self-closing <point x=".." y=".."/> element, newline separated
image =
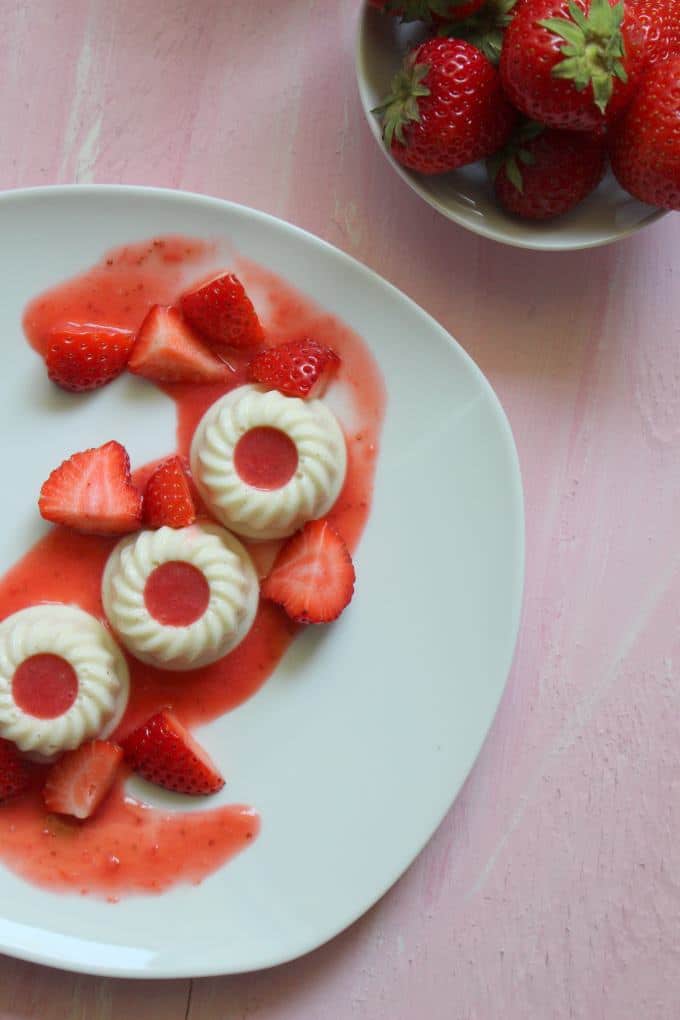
<point x="593" y="49"/>
<point x="400" y="107"/>
<point x="514" y="153"/>
<point x="484" y="29"/>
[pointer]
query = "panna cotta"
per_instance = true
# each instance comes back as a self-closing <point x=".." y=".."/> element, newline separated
<point x="180" y="598"/>
<point x="63" y="679"/>
<point x="265" y="463"/>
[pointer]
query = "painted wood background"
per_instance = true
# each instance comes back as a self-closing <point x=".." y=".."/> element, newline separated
<point x="552" y="890"/>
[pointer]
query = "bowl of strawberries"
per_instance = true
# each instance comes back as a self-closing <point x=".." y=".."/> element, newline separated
<point x="545" y="124"/>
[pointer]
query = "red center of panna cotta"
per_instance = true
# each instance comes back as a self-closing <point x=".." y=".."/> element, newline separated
<point x="45" y="686"/>
<point x="265" y="458"/>
<point x="176" y="594"/>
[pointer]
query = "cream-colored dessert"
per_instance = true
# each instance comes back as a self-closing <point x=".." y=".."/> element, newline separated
<point x="180" y="598"/>
<point x="266" y="463"/>
<point x="63" y="679"/>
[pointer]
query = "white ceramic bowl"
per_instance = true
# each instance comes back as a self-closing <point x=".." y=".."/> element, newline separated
<point x="465" y="195"/>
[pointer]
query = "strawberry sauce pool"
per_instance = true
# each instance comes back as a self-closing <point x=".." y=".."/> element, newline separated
<point x="130" y="847"/>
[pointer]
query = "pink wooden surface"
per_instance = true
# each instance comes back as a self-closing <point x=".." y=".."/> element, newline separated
<point x="552" y="890"/>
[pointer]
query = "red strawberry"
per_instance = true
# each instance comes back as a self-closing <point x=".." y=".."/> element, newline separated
<point x="446" y="108"/>
<point x="660" y="20"/>
<point x="92" y="492"/>
<point x="313" y="576"/>
<point x="15" y="775"/>
<point x="300" y="368"/>
<point x="163" y="752"/>
<point x="484" y="27"/>
<point x="428" y="10"/>
<point x="223" y="313"/>
<point x="80" y="781"/>
<point x="84" y="357"/>
<point x="572" y="63"/>
<point x="645" y="142"/>
<point x="545" y="172"/>
<point x="168" y="499"/>
<point x="168" y="351"/>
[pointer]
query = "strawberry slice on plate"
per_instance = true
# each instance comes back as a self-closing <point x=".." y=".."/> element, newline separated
<point x="84" y="356"/>
<point x="15" y="775"/>
<point x="313" y="575"/>
<point x="299" y="368"/>
<point x="223" y="313"/>
<point x="92" y="492"/>
<point x="168" y="499"/>
<point x="80" y="781"/>
<point x="163" y="752"/>
<point x="167" y="350"/>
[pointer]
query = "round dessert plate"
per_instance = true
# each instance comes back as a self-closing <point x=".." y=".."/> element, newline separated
<point x="355" y="748"/>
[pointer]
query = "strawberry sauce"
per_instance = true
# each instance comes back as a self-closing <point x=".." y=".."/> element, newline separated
<point x="176" y="594"/>
<point x="130" y="847"/>
<point x="265" y="458"/>
<point x="45" y="686"/>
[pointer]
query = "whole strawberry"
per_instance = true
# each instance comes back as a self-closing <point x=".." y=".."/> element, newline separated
<point x="645" y="142"/>
<point x="572" y="63"/>
<point x="660" y="20"/>
<point x="545" y="172"/>
<point x="428" y="10"/>
<point x="446" y="108"/>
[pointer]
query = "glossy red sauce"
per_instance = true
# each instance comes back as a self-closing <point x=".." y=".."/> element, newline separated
<point x="265" y="458"/>
<point x="45" y="686"/>
<point x="130" y="847"/>
<point x="176" y="594"/>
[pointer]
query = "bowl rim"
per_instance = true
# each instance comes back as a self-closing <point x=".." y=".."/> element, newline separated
<point x="366" y="12"/>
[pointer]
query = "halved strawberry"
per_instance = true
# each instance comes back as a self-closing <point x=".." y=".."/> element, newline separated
<point x="223" y="313"/>
<point x="92" y="492"/>
<point x="80" y="781"/>
<point x="299" y="368"/>
<point x="84" y="356"/>
<point x="15" y="775"/>
<point x="313" y="575"/>
<point x="163" y="752"/>
<point x="168" y="499"/>
<point x="167" y="350"/>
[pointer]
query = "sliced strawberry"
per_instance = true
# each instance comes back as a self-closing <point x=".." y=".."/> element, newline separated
<point x="313" y="575"/>
<point x="163" y="752"/>
<point x="92" y="492"/>
<point x="15" y="775"/>
<point x="167" y="350"/>
<point x="84" y="356"/>
<point x="80" y="781"/>
<point x="300" y="368"/>
<point x="168" y="499"/>
<point x="223" y="313"/>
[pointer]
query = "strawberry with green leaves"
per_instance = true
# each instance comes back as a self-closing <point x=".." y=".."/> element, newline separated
<point x="645" y="142"/>
<point x="446" y="108"/>
<point x="545" y="172"/>
<point x="572" y="63"/>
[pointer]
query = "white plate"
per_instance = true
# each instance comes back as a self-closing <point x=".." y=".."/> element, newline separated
<point x="609" y="214"/>
<point x="355" y="748"/>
